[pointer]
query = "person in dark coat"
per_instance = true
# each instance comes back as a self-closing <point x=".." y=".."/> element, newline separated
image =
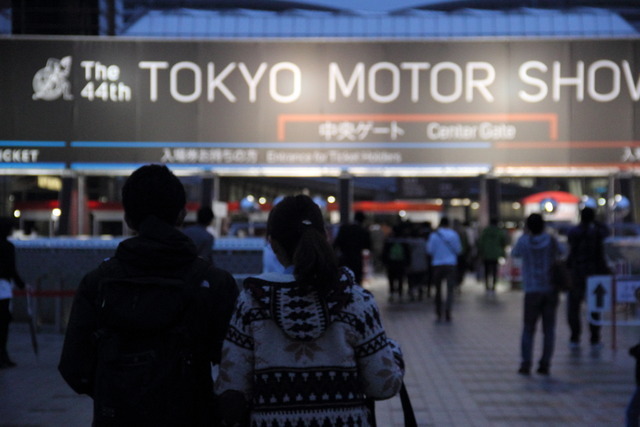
<point x="586" y="258"/>
<point x="8" y="277"/>
<point x="154" y="201"/>
<point x="351" y="241"/>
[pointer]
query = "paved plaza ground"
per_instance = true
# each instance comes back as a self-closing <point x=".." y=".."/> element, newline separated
<point x="461" y="373"/>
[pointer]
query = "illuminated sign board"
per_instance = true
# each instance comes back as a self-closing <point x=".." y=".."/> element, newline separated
<point x="90" y="103"/>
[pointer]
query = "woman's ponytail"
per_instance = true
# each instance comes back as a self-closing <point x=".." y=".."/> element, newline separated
<point x="296" y="223"/>
<point x="315" y="263"/>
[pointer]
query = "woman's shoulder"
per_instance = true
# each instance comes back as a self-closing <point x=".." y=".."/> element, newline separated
<point x="349" y="295"/>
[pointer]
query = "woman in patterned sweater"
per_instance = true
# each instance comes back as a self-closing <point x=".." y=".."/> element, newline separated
<point x="305" y="347"/>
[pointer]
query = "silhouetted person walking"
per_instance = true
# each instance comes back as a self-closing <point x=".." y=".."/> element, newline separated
<point x="351" y="241"/>
<point x="538" y="251"/>
<point x="147" y="324"/>
<point x="396" y="257"/>
<point x="586" y="258"/>
<point x="8" y="277"/>
<point x="491" y="246"/>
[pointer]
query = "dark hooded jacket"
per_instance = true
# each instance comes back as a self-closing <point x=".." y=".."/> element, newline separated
<point x="538" y="253"/>
<point x="161" y="251"/>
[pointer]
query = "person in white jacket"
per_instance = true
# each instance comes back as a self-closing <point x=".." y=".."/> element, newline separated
<point x="305" y="346"/>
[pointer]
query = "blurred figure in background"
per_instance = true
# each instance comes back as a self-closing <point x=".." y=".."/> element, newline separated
<point x="351" y="241"/>
<point x="396" y="256"/>
<point x="491" y="246"/>
<point x="463" y="257"/>
<point x="586" y="258"/>
<point x="199" y="234"/>
<point x="444" y="246"/>
<point x="8" y="278"/>
<point x="538" y="251"/>
<point x="418" y="264"/>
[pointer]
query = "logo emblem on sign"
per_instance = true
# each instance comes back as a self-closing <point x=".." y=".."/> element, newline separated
<point x="51" y="82"/>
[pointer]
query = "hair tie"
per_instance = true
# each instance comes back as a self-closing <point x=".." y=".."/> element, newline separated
<point x="306" y="222"/>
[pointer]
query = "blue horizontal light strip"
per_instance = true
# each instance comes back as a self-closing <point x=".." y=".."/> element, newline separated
<point x="111" y="166"/>
<point x="301" y="145"/>
<point x="107" y="165"/>
<point x="32" y="165"/>
<point x="32" y="143"/>
<point x="429" y="166"/>
<point x="116" y="166"/>
<point x="100" y="144"/>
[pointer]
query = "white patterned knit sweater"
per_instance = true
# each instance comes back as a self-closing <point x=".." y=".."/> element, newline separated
<point x="305" y="361"/>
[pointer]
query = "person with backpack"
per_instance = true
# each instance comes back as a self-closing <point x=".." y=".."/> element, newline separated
<point x="419" y="263"/>
<point x="306" y="347"/>
<point x="396" y="257"/>
<point x="586" y="258"/>
<point x="147" y="324"/>
<point x="444" y="246"/>
<point x="539" y="251"/>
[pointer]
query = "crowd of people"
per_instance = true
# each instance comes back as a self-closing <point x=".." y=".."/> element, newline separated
<point x="300" y="344"/>
<point x="438" y="259"/>
<point x="422" y="262"/>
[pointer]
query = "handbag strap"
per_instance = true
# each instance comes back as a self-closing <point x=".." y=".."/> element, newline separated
<point x="446" y="243"/>
<point x="407" y="408"/>
<point x="371" y="405"/>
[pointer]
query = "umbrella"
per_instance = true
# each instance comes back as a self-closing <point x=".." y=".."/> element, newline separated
<point x="32" y="321"/>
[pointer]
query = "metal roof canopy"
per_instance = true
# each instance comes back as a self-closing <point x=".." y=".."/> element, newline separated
<point x="405" y="24"/>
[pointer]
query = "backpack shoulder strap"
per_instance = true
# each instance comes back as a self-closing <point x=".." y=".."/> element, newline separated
<point x="111" y="268"/>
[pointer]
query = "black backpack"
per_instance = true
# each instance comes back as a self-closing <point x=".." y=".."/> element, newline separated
<point x="587" y="251"/>
<point x="396" y="252"/>
<point x="147" y="367"/>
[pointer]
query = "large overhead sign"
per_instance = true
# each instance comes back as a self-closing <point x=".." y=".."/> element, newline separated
<point x="89" y="103"/>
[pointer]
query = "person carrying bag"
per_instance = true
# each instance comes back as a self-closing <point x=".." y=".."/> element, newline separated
<point x="305" y="347"/>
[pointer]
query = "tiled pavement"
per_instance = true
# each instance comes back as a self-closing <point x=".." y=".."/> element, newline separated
<point x="461" y="373"/>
